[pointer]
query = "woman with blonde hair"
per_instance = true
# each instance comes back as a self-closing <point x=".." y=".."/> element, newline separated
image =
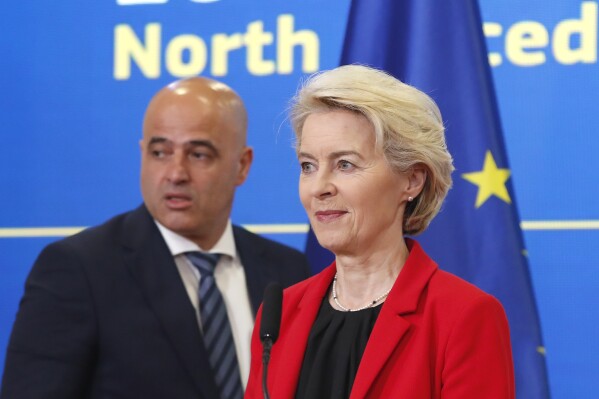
<point x="382" y="321"/>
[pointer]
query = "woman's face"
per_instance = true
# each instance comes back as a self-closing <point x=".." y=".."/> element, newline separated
<point x="354" y="200"/>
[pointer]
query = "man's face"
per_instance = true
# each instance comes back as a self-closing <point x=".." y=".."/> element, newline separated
<point x="193" y="158"/>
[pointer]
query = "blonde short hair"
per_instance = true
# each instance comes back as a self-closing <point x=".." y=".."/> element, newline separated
<point x="407" y="125"/>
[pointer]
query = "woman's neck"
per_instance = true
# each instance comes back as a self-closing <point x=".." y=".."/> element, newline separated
<point x="365" y="277"/>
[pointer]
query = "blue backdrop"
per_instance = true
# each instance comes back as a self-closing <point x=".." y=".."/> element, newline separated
<point x="76" y="78"/>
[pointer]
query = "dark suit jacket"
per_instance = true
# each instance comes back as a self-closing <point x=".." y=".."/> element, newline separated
<point x="436" y="336"/>
<point x="105" y="315"/>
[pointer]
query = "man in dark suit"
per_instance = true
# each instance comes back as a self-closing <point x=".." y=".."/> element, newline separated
<point x="116" y="310"/>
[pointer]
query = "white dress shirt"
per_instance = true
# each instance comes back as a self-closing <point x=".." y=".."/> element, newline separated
<point x="230" y="279"/>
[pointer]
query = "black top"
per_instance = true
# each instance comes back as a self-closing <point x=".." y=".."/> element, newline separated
<point x="335" y="347"/>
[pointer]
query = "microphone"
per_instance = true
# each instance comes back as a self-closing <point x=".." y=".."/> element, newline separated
<point x="269" y="326"/>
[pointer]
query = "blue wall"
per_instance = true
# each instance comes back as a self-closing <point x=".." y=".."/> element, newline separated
<point x="73" y="90"/>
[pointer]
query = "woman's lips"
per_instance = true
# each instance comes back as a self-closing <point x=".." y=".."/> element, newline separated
<point x="329" y="216"/>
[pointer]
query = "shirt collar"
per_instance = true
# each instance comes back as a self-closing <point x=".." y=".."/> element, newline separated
<point x="177" y="244"/>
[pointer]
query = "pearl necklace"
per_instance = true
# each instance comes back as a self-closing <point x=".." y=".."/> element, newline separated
<point x="368" y="305"/>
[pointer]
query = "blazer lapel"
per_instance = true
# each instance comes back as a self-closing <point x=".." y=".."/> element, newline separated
<point x="391" y="326"/>
<point x="154" y="269"/>
<point x="386" y="335"/>
<point x="298" y="323"/>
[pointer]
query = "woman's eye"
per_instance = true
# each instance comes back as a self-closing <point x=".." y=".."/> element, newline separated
<point x="345" y="165"/>
<point x="307" y="167"/>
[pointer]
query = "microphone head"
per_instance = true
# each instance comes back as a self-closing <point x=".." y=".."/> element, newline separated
<point x="271" y="312"/>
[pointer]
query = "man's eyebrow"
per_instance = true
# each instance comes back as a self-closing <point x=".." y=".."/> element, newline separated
<point x="192" y="143"/>
<point x="155" y="140"/>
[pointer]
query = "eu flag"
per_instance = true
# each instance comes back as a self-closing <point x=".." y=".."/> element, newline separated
<point x="438" y="47"/>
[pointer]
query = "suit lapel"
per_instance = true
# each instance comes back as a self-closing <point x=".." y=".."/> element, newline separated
<point x="391" y="326"/>
<point x="257" y="271"/>
<point x="154" y="269"/>
<point x="250" y="259"/>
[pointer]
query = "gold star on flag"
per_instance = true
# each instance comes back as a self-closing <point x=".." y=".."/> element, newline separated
<point x="490" y="181"/>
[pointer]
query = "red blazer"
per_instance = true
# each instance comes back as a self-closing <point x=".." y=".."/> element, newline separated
<point x="436" y="336"/>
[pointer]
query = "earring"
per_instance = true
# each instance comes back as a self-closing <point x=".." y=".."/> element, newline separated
<point x="410" y="199"/>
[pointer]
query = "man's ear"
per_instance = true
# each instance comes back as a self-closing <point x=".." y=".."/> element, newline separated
<point x="245" y="161"/>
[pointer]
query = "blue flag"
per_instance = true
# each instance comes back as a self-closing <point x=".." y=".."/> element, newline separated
<point x="438" y="47"/>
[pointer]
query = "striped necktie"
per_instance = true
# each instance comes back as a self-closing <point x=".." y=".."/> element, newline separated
<point x="218" y="337"/>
